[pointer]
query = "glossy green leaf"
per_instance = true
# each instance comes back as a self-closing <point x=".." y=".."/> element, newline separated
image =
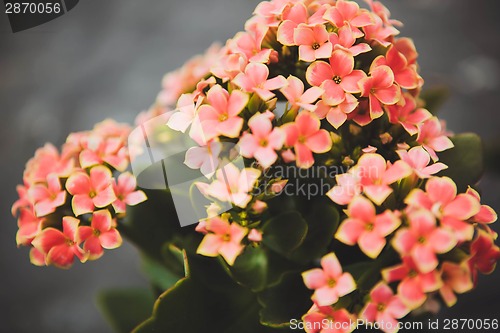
<point x="125" y="308"/>
<point x="159" y="274"/>
<point x="285" y="232"/>
<point x="464" y="161"/>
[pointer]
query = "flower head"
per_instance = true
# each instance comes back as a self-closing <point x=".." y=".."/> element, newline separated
<point x="100" y="235"/>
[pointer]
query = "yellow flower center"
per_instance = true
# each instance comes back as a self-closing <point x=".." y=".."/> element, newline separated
<point x="223" y="117"/>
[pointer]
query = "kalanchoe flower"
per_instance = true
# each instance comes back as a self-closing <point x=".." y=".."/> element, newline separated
<point x="418" y="159"/>
<point x="345" y="40"/>
<point x="314" y="42"/>
<point x="337" y="115"/>
<point x="184" y="115"/>
<point x="328" y="282"/>
<point x="255" y="79"/>
<point x="90" y="191"/>
<point x="433" y="138"/>
<point x="413" y="284"/>
<point x="232" y="185"/>
<point x="255" y="235"/>
<point x="126" y="192"/>
<point x="29" y="226"/>
<point x="380" y="89"/>
<point x="60" y="248"/>
<point x="348" y="186"/>
<point x="408" y="115"/>
<point x="250" y="44"/>
<point x="384" y="308"/>
<point x="295" y="15"/>
<point x="205" y="158"/>
<point x="47" y="197"/>
<point x="486" y="214"/>
<point x="98" y="150"/>
<point x="223" y="238"/>
<point x="484" y="254"/>
<point x="306" y="137"/>
<point x="263" y="142"/>
<point x="338" y="320"/>
<point x="337" y="78"/>
<point x="47" y="160"/>
<point x="380" y="33"/>
<point x="457" y="279"/>
<point x="405" y="75"/>
<point x="440" y="198"/>
<point x="348" y="13"/>
<point x="297" y="97"/>
<point x="364" y="227"/>
<point x="220" y="117"/>
<point x="423" y="240"/>
<point x="100" y="235"/>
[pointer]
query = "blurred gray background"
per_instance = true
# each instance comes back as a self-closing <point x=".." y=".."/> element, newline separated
<point x="106" y="58"/>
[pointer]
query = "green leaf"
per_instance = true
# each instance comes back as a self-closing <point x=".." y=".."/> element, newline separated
<point x="251" y="268"/>
<point x="322" y="222"/>
<point x="435" y="97"/>
<point x="285" y="232"/>
<point x="158" y="274"/>
<point x="125" y="308"/>
<point x="290" y="299"/>
<point x="464" y="161"/>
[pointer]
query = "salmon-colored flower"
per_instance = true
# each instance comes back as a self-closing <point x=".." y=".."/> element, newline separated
<point x="408" y="115"/>
<point x="328" y="282"/>
<point x="255" y="79"/>
<point x="413" y="284"/>
<point x="380" y="89"/>
<point x="384" y="308"/>
<point x="220" y="116"/>
<point x="314" y="42"/>
<point x="440" y="198"/>
<point x="29" y="226"/>
<point x="250" y="44"/>
<point x="405" y="75"/>
<point x="185" y="113"/>
<point x="232" y="185"/>
<point x="90" y="191"/>
<point x="338" y="114"/>
<point x="457" y="279"/>
<point x="348" y="13"/>
<point x="348" y="186"/>
<point x="47" y="160"/>
<point x="345" y="40"/>
<point x="364" y="227"/>
<point x="326" y="319"/>
<point x="484" y="254"/>
<point x="336" y="78"/>
<point x="205" y="158"/>
<point x="297" y="97"/>
<point x="295" y="15"/>
<point x="263" y="142"/>
<point x="98" y="149"/>
<point x="60" y="247"/>
<point x="100" y="235"/>
<point x="307" y="138"/>
<point x="379" y="32"/>
<point x="486" y="214"/>
<point x="423" y="240"/>
<point x="222" y="239"/>
<point x="433" y="138"/>
<point x="126" y="192"/>
<point x="418" y="159"/>
<point x="47" y="197"/>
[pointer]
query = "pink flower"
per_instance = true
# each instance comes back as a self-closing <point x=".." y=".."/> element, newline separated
<point x="255" y="235"/>
<point x="98" y="149"/>
<point x="423" y="240"/>
<point x="60" y="248"/>
<point x="348" y="186"/>
<point x="414" y="284"/>
<point x="255" y="79"/>
<point x="433" y="138"/>
<point x="313" y="42"/>
<point x="486" y="214"/>
<point x="484" y="254"/>
<point x="47" y="160"/>
<point x="205" y="158"/>
<point x="346" y="41"/>
<point x="405" y="75"/>
<point x="348" y="13"/>
<point x="337" y="321"/>
<point x="336" y="78"/>
<point x="250" y="44"/>
<point x="379" y="32"/>
<point x="185" y="113"/>
<point x="306" y="137"/>
<point x="376" y="174"/>
<point x="384" y="308"/>
<point x="263" y="142"/>
<point x="29" y="226"/>
<point x="297" y="98"/>
<point x="418" y="159"/>
<point x="223" y="238"/>
<point x="440" y="198"/>
<point x="336" y="115"/>
<point x="101" y="234"/>
<point x="456" y="279"/>
<point x="47" y="197"/>
<point x="295" y="15"/>
<point x="380" y="89"/>
<point x="233" y="185"/>
<point x="408" y="115"/>
<point x="220" y="117"/>
<point x="364" y="227"/>
<point x="126" y="192"/>
<point x="329" y="282"/>
<point x="91" y="191"/>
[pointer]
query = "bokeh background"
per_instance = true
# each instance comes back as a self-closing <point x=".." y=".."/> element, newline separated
<point x="106" y="59"/>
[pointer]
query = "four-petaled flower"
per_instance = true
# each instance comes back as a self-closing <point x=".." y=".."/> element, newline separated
<point x="418" y="159"/>
<point x="297" y="97"/>
<point x="314" y="42"/>
<point x="329" y="282"/>
<point x="348" y="13"/>
<point x="337" y="320"/>
<point x="47" y="197"/>
<point x="255" y="79"/>
<point x="457" y="279"/>
<point x="380" y="89"/>
<point x="126" y="192"/>
<point x="100" y="235"/>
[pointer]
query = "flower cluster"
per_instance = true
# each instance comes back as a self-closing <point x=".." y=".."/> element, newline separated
<point x="323" y="82"/>
<point x="70" y="201"/>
